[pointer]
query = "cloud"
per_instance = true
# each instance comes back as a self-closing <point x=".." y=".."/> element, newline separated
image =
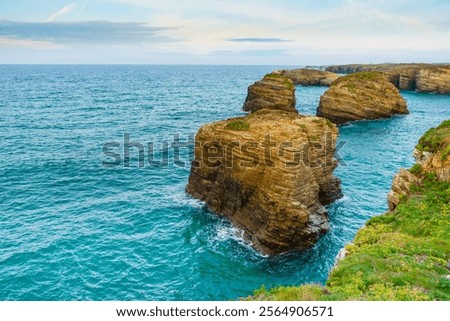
<point x="62" y="12"/>
<point x="81" y="10"/>
<point x="258" y="40"/>
<point x="23" y="43"/>
<point x="84" y="32"/>
<point x="250" y="53"/>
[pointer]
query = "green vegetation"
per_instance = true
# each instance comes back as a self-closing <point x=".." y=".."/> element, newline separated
<point x="435" y="139"/>
<point x="323" y="122"/>
<point x="397" y="256"/>
<point x="290" y="293"/>
<point x="416" y="169"/>
<point x="351" y="87"/>
<point x="351" y="81"/>
<point x="238" y="125"/>
<point x="287" y="82"/>
<point x="304" y="128"/>
<point x="329" y="123"/>
<point x="365" y="75"/>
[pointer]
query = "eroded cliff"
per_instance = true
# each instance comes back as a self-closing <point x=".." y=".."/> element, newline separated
<point x="421" y="77"/>
<point x="269" y="172"/>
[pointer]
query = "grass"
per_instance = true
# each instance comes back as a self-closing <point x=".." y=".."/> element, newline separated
<point x="351" y="87"/>
<point x="366" y="75"/>
<point x="397" y="256"/>
<point x="416" y="169"/>
<point x="354" y="79"/>
<point x="436" y="139"/>
<point x="238" y="125"/>
<point x="287" y="82"/>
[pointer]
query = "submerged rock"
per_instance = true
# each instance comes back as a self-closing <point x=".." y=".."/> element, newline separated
<point x="365" y="95"/>
<point x="274" y="91"/>
<point x="269" y="173"/>
<point x="310" y="77"/>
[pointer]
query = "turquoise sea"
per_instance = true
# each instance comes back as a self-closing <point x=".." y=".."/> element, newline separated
<point x="72" y="229"/>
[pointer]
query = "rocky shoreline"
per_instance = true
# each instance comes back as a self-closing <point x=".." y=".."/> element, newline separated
<point x="271" y="172"/>
<point x="434" y="78"/>
<point x="402" y="255"/>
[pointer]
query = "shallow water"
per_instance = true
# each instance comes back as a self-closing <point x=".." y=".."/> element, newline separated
<point x="72" y="229"/>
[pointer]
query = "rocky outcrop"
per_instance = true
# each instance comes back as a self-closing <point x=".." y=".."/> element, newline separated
<point x="274" y="91"/>
<point x="365" y="95"/>
<point x="432" y="153"/>
<point x="352" y="68"/>
<point x="401" y="187"/>
<point x="310" y="77"/>
<point x="269" y="173"/>
<point x="420" y="77"/>
<point x="433" y="80"/>
<point x="432" y="156"/>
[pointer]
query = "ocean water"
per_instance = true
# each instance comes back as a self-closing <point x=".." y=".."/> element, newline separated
<point x="74" y="229"/>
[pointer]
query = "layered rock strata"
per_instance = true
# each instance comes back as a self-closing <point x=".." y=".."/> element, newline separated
<point x="269" y="172"/>
<point x="310" y="77"/>
<point x="272" y="92"/>
<point x="365" y="95"/>
<point x="432" y="155"/>
<point x="420" y="77"/>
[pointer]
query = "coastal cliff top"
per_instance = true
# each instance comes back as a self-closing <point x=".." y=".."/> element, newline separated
<point x="351" y="68"/>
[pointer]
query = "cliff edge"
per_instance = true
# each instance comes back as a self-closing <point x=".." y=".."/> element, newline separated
<point x="403" y="255"/>
<point x="433" y="78"/>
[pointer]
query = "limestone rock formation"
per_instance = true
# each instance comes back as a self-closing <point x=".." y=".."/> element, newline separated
<point x="420" y="77"/>
<point x="364" y="95"/>
<point x="310" y="77"/>
<point x="269" y="173"/>
<point x="432" y="155"/>
<point x="401" y="186"/>
<point x="274" y="91"/>
<point x="433" y="80"/>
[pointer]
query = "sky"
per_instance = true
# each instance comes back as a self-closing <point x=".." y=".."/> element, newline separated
<point x="261" y="32"/>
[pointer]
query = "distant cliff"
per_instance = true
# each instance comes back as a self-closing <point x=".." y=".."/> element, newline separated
<point x="421" y="77"/>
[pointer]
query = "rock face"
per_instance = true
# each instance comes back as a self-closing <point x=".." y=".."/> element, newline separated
<point x="433" y="80"/>
<point x="432" y="155"/>
<point x="433" y="151"/>
<point x="365" y="95"/>
<point x="420" y="77"/>
<point x="269" y="173"/>
<point x="274" y="91"/>
<point x="310" y="77"/>
<point x="401" y="186"/>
